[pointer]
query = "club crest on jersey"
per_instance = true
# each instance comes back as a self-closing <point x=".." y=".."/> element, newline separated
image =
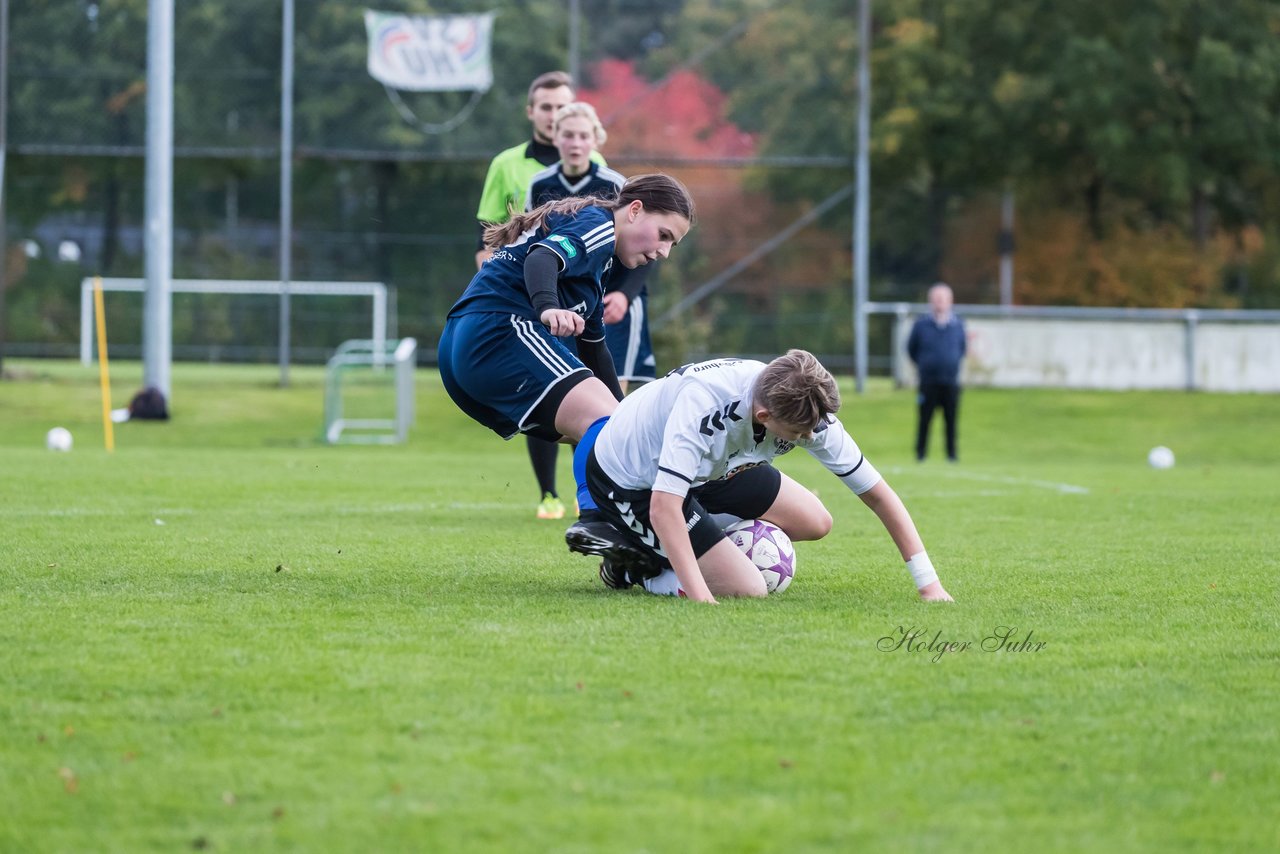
<point x="565" y="244"/>
<point x="715" y="421"/>
<point x="580" y="308"/>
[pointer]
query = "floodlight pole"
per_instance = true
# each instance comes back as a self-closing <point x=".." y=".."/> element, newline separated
<point x="286" y="186"/>
<point x="157" y="330"/>
<point x="4" y="150"/>
<point x="575" y="16"/>
<point x="862" y="189"/>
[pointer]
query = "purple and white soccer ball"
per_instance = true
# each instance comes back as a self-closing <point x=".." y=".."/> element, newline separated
<point x="769" y="548"/>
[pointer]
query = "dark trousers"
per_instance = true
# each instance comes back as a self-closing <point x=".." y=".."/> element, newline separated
<point x="543" y="455"/>
<point x="933" y="395"/>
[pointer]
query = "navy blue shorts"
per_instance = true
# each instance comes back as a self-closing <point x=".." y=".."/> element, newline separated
<point x="630" y="345"/>
<point x="507" y="372"/>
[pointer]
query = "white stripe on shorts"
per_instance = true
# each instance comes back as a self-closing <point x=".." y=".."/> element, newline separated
<point x="539" y="347"/>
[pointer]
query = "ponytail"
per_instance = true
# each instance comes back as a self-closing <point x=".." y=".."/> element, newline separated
<point x="657" y="192"/>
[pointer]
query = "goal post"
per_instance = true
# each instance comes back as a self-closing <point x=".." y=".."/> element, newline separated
<point x="359" y="376"/>
<point x="376" y="291"/>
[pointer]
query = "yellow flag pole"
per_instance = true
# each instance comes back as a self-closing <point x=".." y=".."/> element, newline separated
<point x="104" y="372"/>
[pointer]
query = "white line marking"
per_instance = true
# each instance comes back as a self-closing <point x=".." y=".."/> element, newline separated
<point x="1054" y="486"/>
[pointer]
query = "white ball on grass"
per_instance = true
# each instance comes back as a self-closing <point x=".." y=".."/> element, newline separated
<point x="58" y="439"/>
<point x="1160" y="457"/>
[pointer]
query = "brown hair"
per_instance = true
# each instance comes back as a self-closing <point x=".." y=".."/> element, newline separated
<point x="797" y="389"/>
<point x="657" y="192"/>
<point x="550" y="80"/>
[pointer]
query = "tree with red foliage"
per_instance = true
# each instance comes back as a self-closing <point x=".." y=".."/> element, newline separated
<point x="683" y="116"/>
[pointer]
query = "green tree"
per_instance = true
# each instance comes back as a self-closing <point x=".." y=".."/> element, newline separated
<point x="1152" y="114"/>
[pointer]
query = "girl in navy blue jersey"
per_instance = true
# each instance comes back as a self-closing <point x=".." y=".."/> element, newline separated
<point x="577" y="134"/>
<point x="499" y="357"/>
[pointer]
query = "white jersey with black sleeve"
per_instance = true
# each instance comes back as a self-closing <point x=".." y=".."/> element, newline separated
<point x="694" y="426"/>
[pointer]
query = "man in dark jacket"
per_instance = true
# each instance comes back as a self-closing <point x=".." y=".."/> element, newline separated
<point x="937" y="346"/>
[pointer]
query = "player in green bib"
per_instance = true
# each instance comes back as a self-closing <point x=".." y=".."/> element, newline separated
<point x="510" y="171"/>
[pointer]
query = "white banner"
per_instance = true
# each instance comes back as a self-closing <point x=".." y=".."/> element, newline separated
<point x="439" y="53"/>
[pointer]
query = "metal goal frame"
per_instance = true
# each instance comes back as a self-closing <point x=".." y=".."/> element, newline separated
<point x="400" y="357"/>
<point x="376" y="291"/>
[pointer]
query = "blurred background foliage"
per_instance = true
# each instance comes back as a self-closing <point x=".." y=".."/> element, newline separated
<point x="1140" y="144"/>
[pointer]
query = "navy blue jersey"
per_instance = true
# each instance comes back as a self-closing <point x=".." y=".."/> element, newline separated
<point x="551" y="184"/>
<point x="582" y="241"/>
<point x="630" y="344"/>
<point x="937" y="349"/>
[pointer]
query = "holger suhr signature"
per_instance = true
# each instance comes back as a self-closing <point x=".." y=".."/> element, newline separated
<point x="915" y="639"/>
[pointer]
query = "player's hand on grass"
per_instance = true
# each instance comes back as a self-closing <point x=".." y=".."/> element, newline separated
<point x="615" y="306"/>
<point x="563" y="322"/>
<point x="935" y="593"/>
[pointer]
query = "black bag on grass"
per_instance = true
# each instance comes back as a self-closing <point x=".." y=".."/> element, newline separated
<point x="149" y="403"/>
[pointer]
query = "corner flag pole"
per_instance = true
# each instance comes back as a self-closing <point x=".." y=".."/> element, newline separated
<point x="104" y="373"/>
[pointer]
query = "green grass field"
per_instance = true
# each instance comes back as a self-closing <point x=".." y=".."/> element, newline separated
<point x="228" y="636"/>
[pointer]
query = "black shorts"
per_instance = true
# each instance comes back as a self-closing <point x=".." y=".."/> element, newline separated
<point x="746" y="492"/>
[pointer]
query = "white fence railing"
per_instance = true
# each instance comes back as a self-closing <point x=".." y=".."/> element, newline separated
<point x="1107" y="348"/>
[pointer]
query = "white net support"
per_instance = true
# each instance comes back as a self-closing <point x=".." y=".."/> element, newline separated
<point x="359" y="377"/>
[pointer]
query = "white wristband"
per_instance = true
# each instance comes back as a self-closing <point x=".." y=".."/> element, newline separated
<point x="922" y="571"/>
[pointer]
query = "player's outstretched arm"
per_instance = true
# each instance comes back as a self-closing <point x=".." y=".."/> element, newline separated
<point x="888" y="507"/>
<point x="666" y="512"/>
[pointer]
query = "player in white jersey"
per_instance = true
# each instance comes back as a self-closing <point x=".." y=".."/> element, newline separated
<point x="701" y="441"/>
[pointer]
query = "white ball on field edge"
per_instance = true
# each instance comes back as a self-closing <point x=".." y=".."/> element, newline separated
<point x="1160" y="457"/>
<point x="58" y="439"/>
